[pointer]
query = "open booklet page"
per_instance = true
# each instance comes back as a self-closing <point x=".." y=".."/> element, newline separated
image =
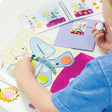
<point x="44" y="18"/>
<point x="83" y="8"/>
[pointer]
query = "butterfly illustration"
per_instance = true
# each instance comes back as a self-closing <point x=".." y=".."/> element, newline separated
<point x="40" y="52"/>
<point x="52" y="15"/>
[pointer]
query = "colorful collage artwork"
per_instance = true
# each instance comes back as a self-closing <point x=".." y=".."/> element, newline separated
<point x="78" y="28"/>
<point x="81" y="8"/>
<point x="49" y="64"/>
<point x="53" y="17"/>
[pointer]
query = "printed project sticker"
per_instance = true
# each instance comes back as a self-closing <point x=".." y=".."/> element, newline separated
<point x="78" y="28"/>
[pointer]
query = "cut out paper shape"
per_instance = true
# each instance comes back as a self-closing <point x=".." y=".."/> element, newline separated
<point x="8" y="94"/>
<point x="64" y="60"/>
<point x="70" y="72"/>
<point x="39" y="48"/>
<point x="81" y="8"/>
<point x="78" y="28"/>
<point x="54" y="18"/>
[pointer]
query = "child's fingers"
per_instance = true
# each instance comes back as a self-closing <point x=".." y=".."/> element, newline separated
<point x="28" y="58"/>
<point x="107" y="27"/>
<point x="99" y="37"/>
<point x="97" y="32"/>
<point x="94" y="28"/>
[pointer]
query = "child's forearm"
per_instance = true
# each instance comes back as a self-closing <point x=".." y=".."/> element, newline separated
<point x="37" y="94"/>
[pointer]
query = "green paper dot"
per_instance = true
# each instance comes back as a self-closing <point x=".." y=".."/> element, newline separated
<point x="33" y="17"/>
<point x="35" y="21"/>
<point x="42" y="78"/>
<point x="0" y="89"/>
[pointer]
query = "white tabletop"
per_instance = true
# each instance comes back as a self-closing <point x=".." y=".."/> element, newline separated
<point x="10" y="25"/>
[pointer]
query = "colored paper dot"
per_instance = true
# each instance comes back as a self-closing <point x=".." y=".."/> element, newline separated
<point x="32" y="27"/>
<point x="46" y="14"/>
<point x="40" y="25"/>
<point x="26" y="16"/>
<point x="75" y="11"/>
<point x="33" y="17"/>
<point x="80" y="12"/>
<point x="89" y="11"/>
<point x="28" y="19"/>
<point x="75" y="25"/>
<point x="66" y="60"/>
<point x="83" y="0"/>
<point x="49" y="19"/>
<point x="72" y="29"/>
<point x="84" y="24"/>
<point x="35" y="21"/>
<point x="73" y="5"/>
<point x="31" y="23"/>
<point x="100" y="1"/>
<point x="42" y="78"/>
<point x="75" y="32"/>
<point x="32" y="63"/>
<point x="85" y="12"/>
<point x="97" y="7"/>
<point x="94" y="3"/>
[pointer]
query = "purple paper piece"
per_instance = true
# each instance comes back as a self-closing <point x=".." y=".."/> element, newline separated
<point x="70" y="72"/>
<point x="55" y="22"/>
<point x="84" y="42"/>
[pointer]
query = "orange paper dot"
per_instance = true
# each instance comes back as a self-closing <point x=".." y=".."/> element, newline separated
<point x="94" y="3"/>
<point x="84" y="25"/>
<point x="97" y="7"/>
<point x="32" y="27"/>
<point x="66" y="60"/>
<point x="85" y="12"/>
<point x="80" y="12"/>
<point x="72" y="29"/>
<point x="100" y="1"/>
<point x="83" y="0"/>
<point x="75" y="11"/>
<point x="75" y="31"/>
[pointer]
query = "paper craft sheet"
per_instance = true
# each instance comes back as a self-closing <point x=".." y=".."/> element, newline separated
<point x="65" y="38"/>
<point x="18" y="46"/>
<point x="58" y="13"/>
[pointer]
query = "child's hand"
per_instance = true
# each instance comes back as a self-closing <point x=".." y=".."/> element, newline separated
<point x="23" y="68"/>
<point x="103" y="37"/>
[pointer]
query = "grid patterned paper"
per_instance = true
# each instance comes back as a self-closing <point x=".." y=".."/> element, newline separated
<point x="13" y="49"/>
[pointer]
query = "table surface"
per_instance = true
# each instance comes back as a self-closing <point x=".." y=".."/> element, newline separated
<point x="10" y="25"/>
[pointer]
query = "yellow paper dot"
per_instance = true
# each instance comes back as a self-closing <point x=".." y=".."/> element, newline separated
<point x="40" y="25"/>
<point x="42" y="78"/>
<point x="32" y="63"/>
<point x="19" y="37"/>
<point x="73" y="5"/>
<point x="46" y="14"/>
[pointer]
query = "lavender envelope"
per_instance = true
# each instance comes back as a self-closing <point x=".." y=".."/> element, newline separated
<point x="84" y="42"/>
